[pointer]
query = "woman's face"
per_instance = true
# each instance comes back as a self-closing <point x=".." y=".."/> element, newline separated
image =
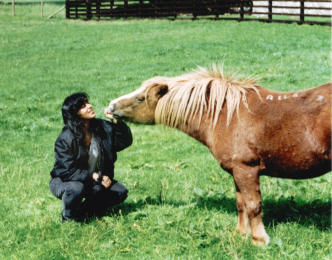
<point x="86" y="111"/>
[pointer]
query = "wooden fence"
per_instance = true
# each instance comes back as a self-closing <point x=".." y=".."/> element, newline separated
<point x="300" y="11"/>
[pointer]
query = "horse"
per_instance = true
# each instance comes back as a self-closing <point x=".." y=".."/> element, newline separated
<point x="250" y="130"/>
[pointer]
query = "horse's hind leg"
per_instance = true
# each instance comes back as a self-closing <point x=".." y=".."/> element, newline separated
<point x="243" y="221"/>
<point x="247" y="182"/>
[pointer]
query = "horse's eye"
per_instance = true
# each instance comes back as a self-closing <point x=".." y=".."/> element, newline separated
<point x="140" y="99"/>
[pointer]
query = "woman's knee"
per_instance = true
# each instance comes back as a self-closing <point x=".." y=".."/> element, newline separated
<point x="56" y="187"/>
<point x="97" y="189"/>
<point x="124" y="195"/>
<point x="121" y="192"/>
<point x="74" y="188"/>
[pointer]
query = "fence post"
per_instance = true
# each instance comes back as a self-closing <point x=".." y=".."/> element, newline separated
<point x="125" y="9"/>
<point x="241" y="10"/>
<point x="111" y="8"/>
<point x="270" y="10"/>
<point x="140" y="8"/>
<point x="67" y="9"/>
<point x="156" y="10"/>
<point x="98" y="3"/>
<point x="88" y="10"/>
<point x="301" y="12"/>
<point x="76" y="12"/>
<point x="194" y="9"/>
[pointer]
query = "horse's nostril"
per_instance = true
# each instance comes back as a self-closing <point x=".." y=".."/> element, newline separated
<point x="111" y="108"/>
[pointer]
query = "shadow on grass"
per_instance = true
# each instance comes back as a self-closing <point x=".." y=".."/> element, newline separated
<point x="315" y="213"/>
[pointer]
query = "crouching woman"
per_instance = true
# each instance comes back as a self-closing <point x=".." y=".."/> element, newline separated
<point x="85" y="152"/>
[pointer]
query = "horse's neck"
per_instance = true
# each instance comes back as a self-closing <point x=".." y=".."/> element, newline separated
<point x="203" y="130"/>
<point x="258" y="105"/>
<point x="200" y="131"/>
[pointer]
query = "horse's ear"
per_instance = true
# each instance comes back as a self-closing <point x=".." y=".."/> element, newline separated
<point x="162" y="90"/>
<point x="157" y="87"/>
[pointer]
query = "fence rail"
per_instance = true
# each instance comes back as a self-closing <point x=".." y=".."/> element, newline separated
<point x="306" y="11"/>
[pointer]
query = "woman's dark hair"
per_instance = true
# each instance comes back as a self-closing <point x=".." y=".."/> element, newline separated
<point x="71" y="105"/>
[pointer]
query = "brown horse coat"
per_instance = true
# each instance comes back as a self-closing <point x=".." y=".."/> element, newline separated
<point x="250" y="130"/>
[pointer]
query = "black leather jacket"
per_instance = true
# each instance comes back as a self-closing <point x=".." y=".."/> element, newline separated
<point x="71" y="157"/>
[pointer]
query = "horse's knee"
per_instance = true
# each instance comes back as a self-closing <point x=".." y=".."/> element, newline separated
<point x="253" y="208"/>
<point x="240" y="207"/>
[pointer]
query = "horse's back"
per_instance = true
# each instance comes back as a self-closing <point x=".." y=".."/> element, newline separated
<point x="290" y="133"/>
<point x="303" y="144"/>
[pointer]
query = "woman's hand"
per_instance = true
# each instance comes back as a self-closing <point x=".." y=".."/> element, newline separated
<point x="106" y="181"/>
<point x="109" y="115"/>
<point x="95" y="176"/>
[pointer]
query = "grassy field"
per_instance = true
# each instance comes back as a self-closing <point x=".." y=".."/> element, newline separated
<point x="181" y="205"/>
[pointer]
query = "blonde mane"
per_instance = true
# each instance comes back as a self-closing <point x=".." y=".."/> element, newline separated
<point x="199" y="91"/>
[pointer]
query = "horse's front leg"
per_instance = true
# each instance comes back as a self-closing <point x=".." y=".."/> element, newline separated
<point x="247" y="181"/>
<point x="243" y="221"/>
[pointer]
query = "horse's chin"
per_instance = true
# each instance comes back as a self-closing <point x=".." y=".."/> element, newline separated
<point x="123" y="118"/>
<point x="140" y="122"/>
<point x="145" y="123"/>
<point x="132" y="120"/>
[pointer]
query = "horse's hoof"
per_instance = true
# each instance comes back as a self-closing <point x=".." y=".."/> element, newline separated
<point x="261" y="241"/>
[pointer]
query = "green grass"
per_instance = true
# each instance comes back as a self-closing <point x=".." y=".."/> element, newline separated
<point x="181" y="205"/>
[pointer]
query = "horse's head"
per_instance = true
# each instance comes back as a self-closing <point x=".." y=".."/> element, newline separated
<point x="139" y="106"/>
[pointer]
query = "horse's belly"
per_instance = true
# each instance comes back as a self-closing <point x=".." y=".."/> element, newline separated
<point x="297" y="160"/>
<point x="297" y="171"/>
